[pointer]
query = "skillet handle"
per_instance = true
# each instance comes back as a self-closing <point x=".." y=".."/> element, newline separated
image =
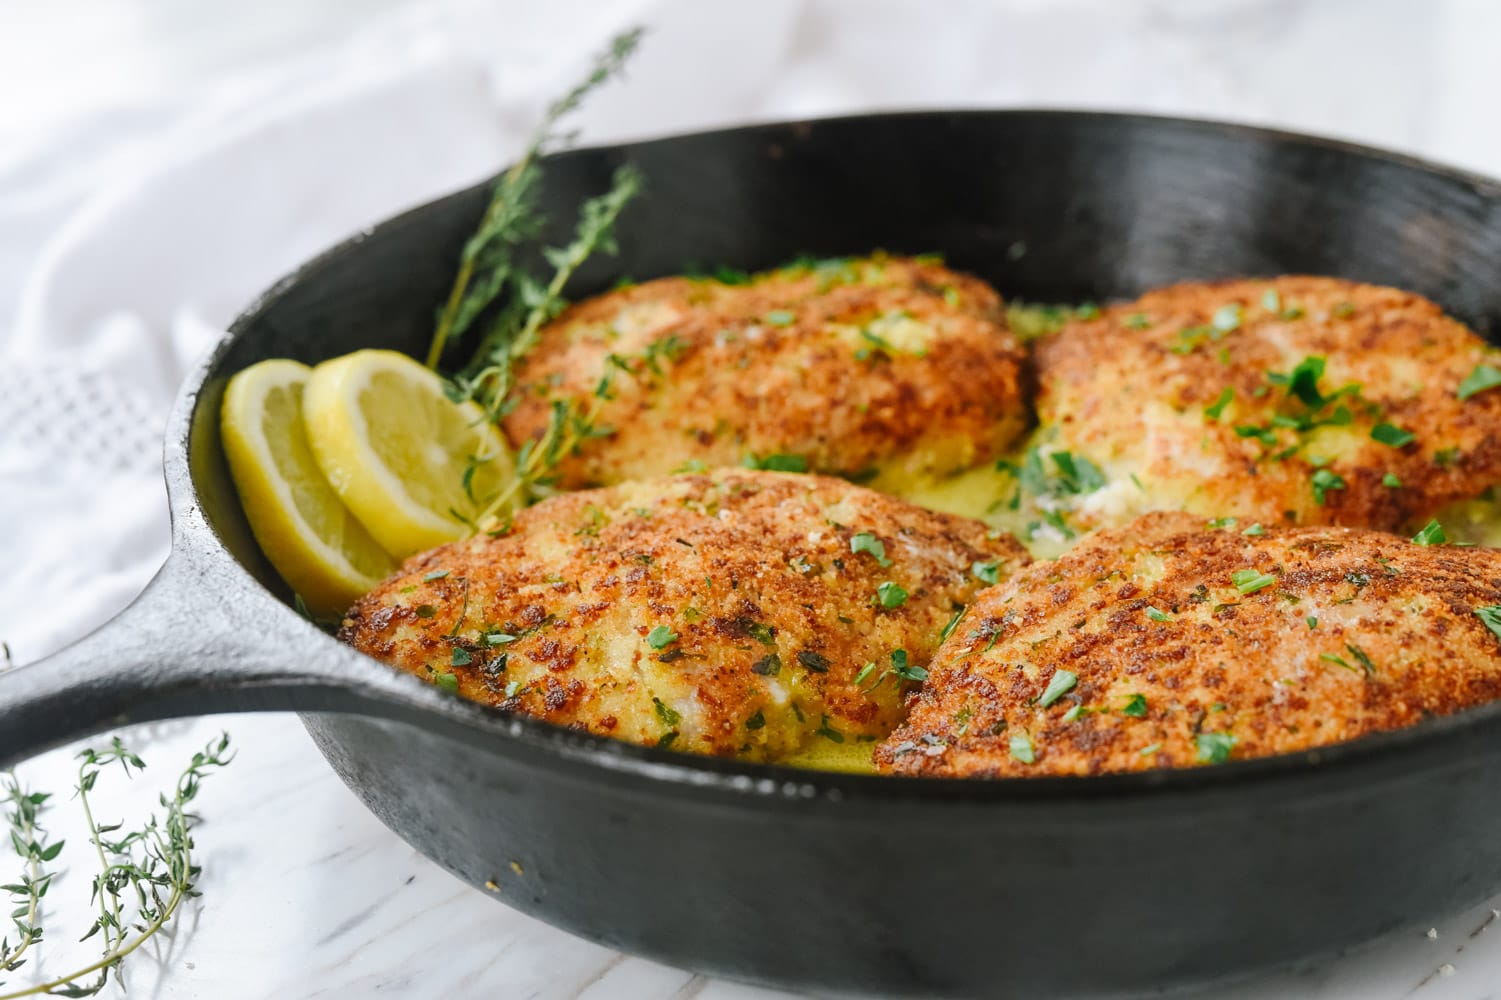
<point x="185" y="646"/>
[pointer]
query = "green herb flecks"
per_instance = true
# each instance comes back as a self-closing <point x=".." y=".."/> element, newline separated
<point x="1432" y="533"/>
<point x="660" y="637"/>
<point x="1136" y="707"/>
<point x="1214" y="748"/>
<point x="1158" y="616"/>
<point x="827" y="731"/>
<point x="775" y="463"/>
<point x="1062" y="682"/>
<point x="1213" y="410"/>
<point x="1324" y="481"/>
<point x="1490" y="616"/>
<point x="1021" y="748"/>
<point x="1390" y="434"/>
<point x="869" y="544"/>
<point x="1482" y="378"/>
<point x="1249" y="581"/>
<point x="986" y="572"/>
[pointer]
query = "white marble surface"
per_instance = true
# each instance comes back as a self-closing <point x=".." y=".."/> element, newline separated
<point x="131" y="136"/>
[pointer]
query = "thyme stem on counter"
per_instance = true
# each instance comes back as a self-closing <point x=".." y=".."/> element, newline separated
<point x="144" y="874"/>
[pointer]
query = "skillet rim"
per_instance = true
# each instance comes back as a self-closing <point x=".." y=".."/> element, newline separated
<point x="494" y="730"/>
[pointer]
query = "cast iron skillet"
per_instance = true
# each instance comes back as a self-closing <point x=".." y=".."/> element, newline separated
<point x="832" y="882"/>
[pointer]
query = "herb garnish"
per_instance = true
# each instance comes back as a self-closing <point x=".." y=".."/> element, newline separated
<point x="1214" y="748"/>
<point x="661" y="637"/>
<point x="1136" y="707"/>
<point x="1482" y="378"/>
<point x="1431" y="534"/>
<point x="1249" y="581"/>
<point x="1323" y="482"/>
<point x="1491" y="617"/>
<point x="1062" y="682"/>
<point x="1213" y="410"/>
<point x="776" y="463"/>
<point x="868" y="543"/>
<point x="1390" y="434"/>
<point x="146" y="875"/>
<point x="1158" y="616"/>
<point x="986" y="572"/>
<point x="828" y="732"/>
<point x="1021" y="748"/>
<point x="891" y="595"/>
<point x="813" y="661"/>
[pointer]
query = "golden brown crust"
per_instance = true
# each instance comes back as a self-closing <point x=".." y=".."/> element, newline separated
<point x="1130" y="388"/>
<point x="891" y="365"/>
<point x="1396" y="639"/>
<point x="772" y="614"/>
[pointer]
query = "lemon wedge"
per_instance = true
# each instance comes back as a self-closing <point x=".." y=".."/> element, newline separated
<point x="317" y="546"/>
<point x="415" y="467"/>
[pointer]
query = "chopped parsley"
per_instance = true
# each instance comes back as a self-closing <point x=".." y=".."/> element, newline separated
<point x="1072" y="713"/>
<point x="780" y="317"/>
<point x="1138" y="321"/>
<point x="1215" y="523"/>
<point x="986" y="572"/>
<point x="756" y="721"/>
<point x="1482" y="378"/>
<point x="1391" y="482"/>
<point x="1214" y="748"/>
<point x="1271" y="301"/>
<point x="776" y="463"/>
<point x="948" y="629"/>
<point x="1323" y="482"/>
<point x="1213" y="410"/>
<point x="1149" y="750"/>
<point x="1226" y="318"/>
<point x="815" y="662"/>
<point x="767" y="666"/>
<point x="1337" y="660"/>
<point x="436" y="574"/>
<point x="1136" y="707"/>
<point x="1158" y="616"/>
<point x="1062" y="683"/>
<point x="661" y="637"/>
<point x="904" y="670"/>
<point x="869" y="544"/>
<point x="670" y="717"/>
<point x="461" y="657"/>
<point x="1255" y="531"/>
<point x="498" y="638"/>
<point x="1432" y="534"/>
<point x="1393" y="435"/>
<point x="1361" y="658"/>
<point x="891" y="595"/>
<point x="1021" y="748"/>
<point x="448" y="682"/>
<point x="1491" y="617"/>
<point x="1249" y="581"/>
<point x="1313" y="621"/>
<point x="426" y="611"/>
<point x="828" y="732"/>
<point x="1079" y="474"/>
<point x="864" y="673"/>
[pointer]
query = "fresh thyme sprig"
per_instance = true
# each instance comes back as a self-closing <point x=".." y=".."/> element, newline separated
<point x="488" y="264"/>
<point x="29" y="841"/>
<point x="491" y="270"/>
<point x="144" y="874"/>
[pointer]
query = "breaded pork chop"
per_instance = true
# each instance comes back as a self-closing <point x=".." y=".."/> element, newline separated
<point x="737" y="613"/>
<point x="1294" y="400"/>
<point x="1166" y="644"/>
<point x="879" y="369"/>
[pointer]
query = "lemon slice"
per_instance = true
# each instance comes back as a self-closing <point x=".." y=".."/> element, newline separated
<point x="317" y="546"/>
<point x="415" y="467"/>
